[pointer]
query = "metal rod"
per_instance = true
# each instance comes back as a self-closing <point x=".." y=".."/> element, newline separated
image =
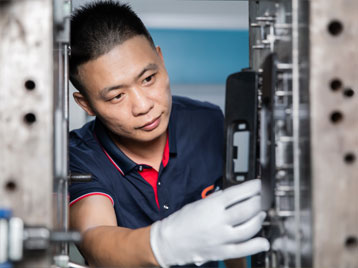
<point x="296" y="127"/>
<point x="59" y="172"/>
<point x="66" y="82"/>
<point x="65" y="143"/>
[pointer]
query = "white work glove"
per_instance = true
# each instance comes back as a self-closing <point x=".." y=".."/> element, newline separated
<point x="218" y="227"/>
<point x="286" y="242"/>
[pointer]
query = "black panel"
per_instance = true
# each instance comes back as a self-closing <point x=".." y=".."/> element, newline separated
<point x="267" y="144"/>
<point x="241" y="127"/>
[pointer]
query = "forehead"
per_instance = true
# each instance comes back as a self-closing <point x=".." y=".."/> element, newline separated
<point x="124" y="60"/>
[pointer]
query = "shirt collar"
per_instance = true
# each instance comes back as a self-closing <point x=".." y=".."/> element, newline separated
<point x="172" y="133"/>
<point x="121" y="160"/>
<point x="115" y="154"/>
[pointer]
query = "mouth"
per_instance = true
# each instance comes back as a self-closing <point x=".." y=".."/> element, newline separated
<point x="151" y="125"/>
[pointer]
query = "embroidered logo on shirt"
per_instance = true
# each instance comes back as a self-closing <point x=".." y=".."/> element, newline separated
<point x="207" y="191"/>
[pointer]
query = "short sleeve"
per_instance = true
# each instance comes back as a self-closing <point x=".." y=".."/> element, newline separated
<point x="85" y="159"/>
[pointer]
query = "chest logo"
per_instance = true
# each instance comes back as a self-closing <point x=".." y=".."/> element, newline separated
<point x="207" y="191"/>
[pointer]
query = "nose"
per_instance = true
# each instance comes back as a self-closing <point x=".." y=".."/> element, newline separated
<point x="141" y="104"/>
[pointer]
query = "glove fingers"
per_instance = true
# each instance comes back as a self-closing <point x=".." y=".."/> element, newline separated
<point x="234" y="251"/>
<point x="290" y="246"/>
<point x="248" y="229"/>
<point x="243" y="211"/>
<point x="251" y="247"/>
<point x="240" y="192"/>
<point x="284" y="244"/>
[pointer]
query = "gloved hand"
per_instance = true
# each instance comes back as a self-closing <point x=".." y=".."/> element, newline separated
<point x="286" y="243"/>
<point x="215" y="228"/>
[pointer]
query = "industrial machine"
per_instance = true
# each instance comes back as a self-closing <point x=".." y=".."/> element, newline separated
<point x="33" y="132"/>
<point x="292" y="121"/>
<point x="291" y="118"/>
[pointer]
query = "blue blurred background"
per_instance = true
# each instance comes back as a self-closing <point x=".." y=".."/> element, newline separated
<point x="202" y="56"/>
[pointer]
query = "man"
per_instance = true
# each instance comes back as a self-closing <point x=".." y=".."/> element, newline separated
<point x="150" y="155"/>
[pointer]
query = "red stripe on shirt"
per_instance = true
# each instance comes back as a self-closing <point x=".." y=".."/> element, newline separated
<point x="151" y="175"/>
<point x="91" y="194"/>
<point x="108" y="156"/>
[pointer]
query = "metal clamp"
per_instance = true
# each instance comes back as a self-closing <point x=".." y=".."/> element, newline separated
<point x="16" y="238"/>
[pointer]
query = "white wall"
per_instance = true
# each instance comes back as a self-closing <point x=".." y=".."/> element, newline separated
<point x="188" y="14"/>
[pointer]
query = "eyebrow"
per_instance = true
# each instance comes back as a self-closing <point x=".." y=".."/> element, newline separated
<point x="149" y="67"/>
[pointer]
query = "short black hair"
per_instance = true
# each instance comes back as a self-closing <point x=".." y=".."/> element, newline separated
<point x="96" y="28"/>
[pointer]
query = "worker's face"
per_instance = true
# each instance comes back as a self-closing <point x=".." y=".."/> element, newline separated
<point x="128" y="89"/>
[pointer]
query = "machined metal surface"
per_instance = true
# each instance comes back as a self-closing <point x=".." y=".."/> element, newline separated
<point x="26" y="105"/>
<point x="334" y="126"/>
<point x="270" y="30"/>
<point x="279" y="52"/>
<point x="314" y="219"/>
<point x="26" y="114"/>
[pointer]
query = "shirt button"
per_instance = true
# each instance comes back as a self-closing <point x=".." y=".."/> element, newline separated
<point x="159" y="183"/>
<point x="140" y="168"/>
<point x="165" y="206"/>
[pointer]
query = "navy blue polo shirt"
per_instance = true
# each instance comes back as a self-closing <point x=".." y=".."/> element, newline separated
<point x="196" y="153"/>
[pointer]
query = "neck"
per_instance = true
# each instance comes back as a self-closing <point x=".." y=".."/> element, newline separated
<point x="149" y="153"/>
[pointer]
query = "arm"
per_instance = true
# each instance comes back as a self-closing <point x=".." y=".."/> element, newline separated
<point x="218" y="227"/>
<point x="106" y="244"/>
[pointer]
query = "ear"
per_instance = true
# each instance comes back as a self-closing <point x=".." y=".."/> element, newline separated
<point x="159" y="51"/>
<point x="83" y="102"/>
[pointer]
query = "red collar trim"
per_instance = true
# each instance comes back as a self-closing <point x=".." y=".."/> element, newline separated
<point x="166" y="153"/>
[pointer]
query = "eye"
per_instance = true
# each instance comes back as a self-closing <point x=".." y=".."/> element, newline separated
<point x="149" y="79"/>
<point x="117" y="97"/>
